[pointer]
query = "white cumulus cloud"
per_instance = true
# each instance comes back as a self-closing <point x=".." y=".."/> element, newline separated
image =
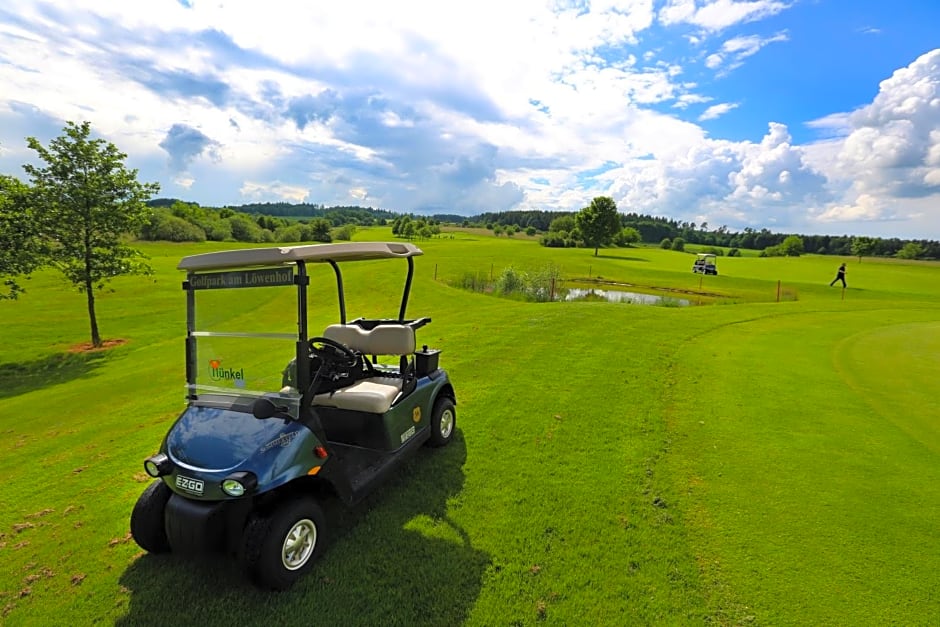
<point x="886" y="155"/>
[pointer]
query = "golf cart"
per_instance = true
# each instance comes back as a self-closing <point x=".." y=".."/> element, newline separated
<point x="278" y="419"/>
<point x="705" y="264"/>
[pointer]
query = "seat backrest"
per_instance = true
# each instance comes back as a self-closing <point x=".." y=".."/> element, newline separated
<point x="385" y="339"/>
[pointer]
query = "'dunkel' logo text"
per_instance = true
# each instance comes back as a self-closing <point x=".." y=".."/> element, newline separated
<point x="218" y="373"/>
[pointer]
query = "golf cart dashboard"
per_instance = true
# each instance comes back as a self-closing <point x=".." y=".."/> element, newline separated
<point x="243" y="402"/>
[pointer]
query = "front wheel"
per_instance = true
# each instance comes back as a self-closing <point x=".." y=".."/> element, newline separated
<point x="279" y="548"/>
<point x="147" y="525"/>
<point x="443" y="422"/>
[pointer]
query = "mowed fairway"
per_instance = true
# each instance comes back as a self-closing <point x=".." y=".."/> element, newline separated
<point x="745" y="462"/>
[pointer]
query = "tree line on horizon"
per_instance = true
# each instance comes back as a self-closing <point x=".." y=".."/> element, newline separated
<point x="556" y="229"/>
<point x="82" y="207"/>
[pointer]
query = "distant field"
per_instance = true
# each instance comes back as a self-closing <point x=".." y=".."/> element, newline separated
<point x="743" y="462"/>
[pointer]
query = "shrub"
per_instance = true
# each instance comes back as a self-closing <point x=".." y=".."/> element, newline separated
<point x="345" y="232"/>
<point x="542" y="282"/>
<point x="792" y="246"/>
<point x="564" y="223"/>
<point x="244" y="229"/>
<point x="510" y="282"/>
<point x="734" y="252"/>
<point x="553" y="239"/>
<point x="286" y="234"/>
<point x="168" y="227"/>
<point x="627" y="236"/>
<point x="666" y="244"/>
<point x="539" y="285"/>
<point x="473" y="281"/>
<point x="318" y="230"/>
<point x="910" y="250"/>
<point x="678" y="244"/>
<point x="218" y="230"/>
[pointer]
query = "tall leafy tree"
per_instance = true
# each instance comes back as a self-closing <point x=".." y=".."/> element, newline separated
<point x="88" y="203"/>
<point x="21" y="250"/>
<point x="599" y="222"/>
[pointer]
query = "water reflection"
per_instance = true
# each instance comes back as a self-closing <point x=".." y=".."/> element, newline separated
<point x="617" y="296"/>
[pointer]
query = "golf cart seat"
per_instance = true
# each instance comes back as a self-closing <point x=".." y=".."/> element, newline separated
<point x="375" y="394"/>
<point x="387" y="339"/>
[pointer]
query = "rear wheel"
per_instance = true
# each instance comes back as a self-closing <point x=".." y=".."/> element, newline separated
<point x="147" y="525"/>
<point x="280" y="547"/>
<point x="443" y="422"/>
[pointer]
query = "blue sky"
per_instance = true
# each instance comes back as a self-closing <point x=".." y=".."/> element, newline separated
<point x="810" y="116"/>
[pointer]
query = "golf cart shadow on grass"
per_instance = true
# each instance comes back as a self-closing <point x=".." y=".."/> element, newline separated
<point x="377" y="570"/>
<point x="20" y="377"/>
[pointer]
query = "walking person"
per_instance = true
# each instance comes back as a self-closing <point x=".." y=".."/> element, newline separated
<point x="840" y="276"/>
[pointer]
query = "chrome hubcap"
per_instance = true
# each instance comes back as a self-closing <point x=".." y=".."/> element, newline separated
<point x="447" y="423"/>
<point x="299" y="543"/>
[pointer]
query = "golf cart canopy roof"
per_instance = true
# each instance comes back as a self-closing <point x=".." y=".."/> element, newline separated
<point x="285" y="255"/>
<point x="706" y="255"/>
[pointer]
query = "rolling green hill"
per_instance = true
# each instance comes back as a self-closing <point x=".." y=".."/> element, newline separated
<point x="746" y="461"/>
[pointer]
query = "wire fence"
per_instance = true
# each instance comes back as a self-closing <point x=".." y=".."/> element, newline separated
<point x="549" y="283"/>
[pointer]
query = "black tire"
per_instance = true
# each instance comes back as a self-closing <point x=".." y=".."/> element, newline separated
<point x="443" y="422"/>
<point x="280" y="547"/>
<point x="147" y="524"/>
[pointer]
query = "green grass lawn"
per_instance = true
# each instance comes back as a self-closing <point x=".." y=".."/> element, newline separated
<point x="745" y="462"/>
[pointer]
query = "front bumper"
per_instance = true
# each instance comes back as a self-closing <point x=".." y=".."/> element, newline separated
<point x="195" y="527"/>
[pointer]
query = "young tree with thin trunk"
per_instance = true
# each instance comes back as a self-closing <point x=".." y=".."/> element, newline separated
<point x="863" y="247"/>
<point x="87" y="204"/>
<point x="21" y="250"/>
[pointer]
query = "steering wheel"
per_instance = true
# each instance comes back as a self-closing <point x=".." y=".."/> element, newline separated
<point x="332" y="352"/>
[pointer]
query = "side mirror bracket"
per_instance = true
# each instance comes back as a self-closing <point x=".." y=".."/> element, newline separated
<point x="264" y="408"/>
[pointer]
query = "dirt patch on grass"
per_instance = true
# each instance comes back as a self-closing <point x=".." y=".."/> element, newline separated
<point x="116" y="541"/>
<point x="88" y="347"/>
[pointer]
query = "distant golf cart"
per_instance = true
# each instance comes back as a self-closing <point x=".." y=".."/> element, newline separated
<point x="705" y="263"/>
<point x="277" y="419"/>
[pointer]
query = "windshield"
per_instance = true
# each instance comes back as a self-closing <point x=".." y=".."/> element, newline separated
<point x="242" y="331"/>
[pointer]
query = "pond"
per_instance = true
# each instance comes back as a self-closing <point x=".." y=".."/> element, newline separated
<point x="617" y="296"/>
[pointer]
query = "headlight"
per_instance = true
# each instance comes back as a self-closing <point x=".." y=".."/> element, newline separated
<point x="239" y="483"/>
<point x="233" y="487"/>
<point x="157" y="465"/>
